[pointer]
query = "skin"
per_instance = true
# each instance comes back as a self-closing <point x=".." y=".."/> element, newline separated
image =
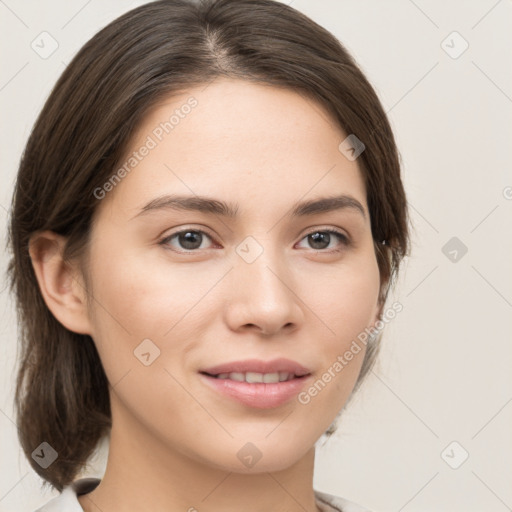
<point x="174" y="441"/>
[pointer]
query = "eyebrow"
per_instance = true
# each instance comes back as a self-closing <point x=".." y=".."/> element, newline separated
<point x="217" y="207"/>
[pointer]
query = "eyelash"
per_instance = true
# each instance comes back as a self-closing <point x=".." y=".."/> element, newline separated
<point x="344" y="240"/>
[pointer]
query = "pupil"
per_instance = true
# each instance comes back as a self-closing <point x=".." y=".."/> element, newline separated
<point x="189" y="240"/>
<point x="317" y="238"/>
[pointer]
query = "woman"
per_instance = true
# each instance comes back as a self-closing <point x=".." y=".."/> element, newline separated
<point x="207" y="220"/>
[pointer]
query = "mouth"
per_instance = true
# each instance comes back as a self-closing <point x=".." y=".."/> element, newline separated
<point x="258" y="384"/>
<point x="255" y="377"/>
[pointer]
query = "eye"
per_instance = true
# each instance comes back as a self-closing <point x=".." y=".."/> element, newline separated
<point x="188" y="240"/>
<point x="191" y="240"/>
<point x="321" y="239"/>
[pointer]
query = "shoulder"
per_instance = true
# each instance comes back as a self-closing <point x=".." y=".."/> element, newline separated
<point x="337" y="503"/>
<point x="67" y="500"/>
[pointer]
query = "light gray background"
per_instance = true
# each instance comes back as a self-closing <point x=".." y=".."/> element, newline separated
<point x="445" y="369"/>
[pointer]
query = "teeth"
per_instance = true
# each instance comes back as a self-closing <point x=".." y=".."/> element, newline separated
<point x="270" y="378"/>
<point x="254" y="377"/>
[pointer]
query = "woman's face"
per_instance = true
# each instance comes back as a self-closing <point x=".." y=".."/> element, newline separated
<point x="262" y="285"/>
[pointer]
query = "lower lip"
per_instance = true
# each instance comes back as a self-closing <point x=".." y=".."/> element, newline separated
<point x="258" y="395"/>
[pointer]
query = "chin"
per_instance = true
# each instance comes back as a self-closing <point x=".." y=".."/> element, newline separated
<point x="266" y="455"/>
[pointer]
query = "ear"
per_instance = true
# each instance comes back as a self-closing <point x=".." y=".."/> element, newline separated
<point x="378" y="314"/>
<point x="60" y="282"/>
<point x="378" y="311"/>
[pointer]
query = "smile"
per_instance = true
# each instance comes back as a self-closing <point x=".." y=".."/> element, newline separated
<point x="257" y="384"/>
<point x="252" y="377"/>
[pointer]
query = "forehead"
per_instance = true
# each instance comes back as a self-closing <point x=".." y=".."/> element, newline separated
<point x="236" y="138"/>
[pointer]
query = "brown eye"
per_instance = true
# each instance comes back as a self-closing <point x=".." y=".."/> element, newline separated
<point x="187" y="240"/>
<point x="322" y="239"/>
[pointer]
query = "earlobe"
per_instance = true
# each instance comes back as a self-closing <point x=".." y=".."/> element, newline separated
<point x="379" y="310"/>
<point x="60" y="282"/>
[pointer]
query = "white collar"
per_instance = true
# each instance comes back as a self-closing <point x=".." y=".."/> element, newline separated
<point x="67" y="501"/>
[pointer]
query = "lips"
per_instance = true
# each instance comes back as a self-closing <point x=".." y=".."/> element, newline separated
<point x="253" y="377"/>
<point x="256" y="383"/>
<point x="258" y="366"/>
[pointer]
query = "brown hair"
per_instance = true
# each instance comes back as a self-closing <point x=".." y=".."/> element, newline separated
<point x="81" y="134"/>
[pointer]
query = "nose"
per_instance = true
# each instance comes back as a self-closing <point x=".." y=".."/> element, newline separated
<point x="262" y="296"/>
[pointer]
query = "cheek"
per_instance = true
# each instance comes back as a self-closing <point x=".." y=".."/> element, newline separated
<point x="346" y="303"/>
<point x="139" y="292"/>
<point x="143" y="296"/>
<point x="345" y="299"/>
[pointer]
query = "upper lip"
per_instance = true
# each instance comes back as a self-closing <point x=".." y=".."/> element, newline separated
<point x="259" y="366"/>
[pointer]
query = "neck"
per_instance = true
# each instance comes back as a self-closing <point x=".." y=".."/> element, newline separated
<point x="142" y="473"/>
